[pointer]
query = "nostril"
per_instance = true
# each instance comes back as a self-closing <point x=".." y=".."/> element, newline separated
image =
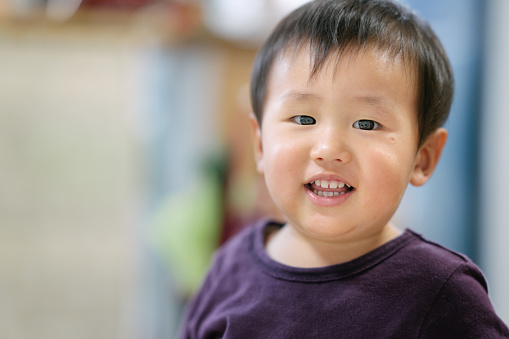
<point x="330" y="154"/>
<point x="323" y="159"/>
<point x="332" y="160"/>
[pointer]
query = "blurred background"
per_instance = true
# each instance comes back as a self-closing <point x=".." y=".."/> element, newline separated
<point x="125" y="155"/>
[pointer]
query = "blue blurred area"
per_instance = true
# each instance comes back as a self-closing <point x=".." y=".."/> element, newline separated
<point x="183" y="198"/>
<point x="446" y="208"/>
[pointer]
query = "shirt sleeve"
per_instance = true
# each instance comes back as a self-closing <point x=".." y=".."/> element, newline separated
<point x="462" y="309"/>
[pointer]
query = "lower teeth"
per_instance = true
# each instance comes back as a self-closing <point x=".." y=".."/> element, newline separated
<point x="328" y="194"/>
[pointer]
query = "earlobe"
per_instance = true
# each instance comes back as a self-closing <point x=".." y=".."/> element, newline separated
<point x="257" y="142"/>
<point x="428" y="156"/>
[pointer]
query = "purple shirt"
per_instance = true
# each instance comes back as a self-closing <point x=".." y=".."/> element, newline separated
<point x="408" y="288"/>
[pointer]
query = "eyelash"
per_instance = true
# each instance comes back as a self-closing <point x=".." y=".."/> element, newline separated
<point x="305" y="120"/>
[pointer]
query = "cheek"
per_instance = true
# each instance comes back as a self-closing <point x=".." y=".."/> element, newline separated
<point x="281" y="147"/>
<point x="390" y="171"/>
<point x="281" y="157"/>
<point x="282" y="172"/>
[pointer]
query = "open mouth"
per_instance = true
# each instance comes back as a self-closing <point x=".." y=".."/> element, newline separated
<point x="329" y="188"/>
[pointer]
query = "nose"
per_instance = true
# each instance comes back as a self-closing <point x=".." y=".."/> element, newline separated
<point x="331" y="148"/>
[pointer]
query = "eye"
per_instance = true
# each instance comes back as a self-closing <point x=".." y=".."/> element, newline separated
<point x="304" y="120"/>
<point x="366" y="125"/>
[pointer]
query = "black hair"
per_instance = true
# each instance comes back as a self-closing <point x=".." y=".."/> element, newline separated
<point x="331" y="27"/>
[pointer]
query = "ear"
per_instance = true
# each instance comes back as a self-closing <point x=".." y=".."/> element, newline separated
<point x="428" y="156"/>
<point x="256" y="133"/>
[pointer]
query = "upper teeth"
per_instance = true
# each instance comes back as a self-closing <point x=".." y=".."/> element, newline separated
<point x="330" y="184"/>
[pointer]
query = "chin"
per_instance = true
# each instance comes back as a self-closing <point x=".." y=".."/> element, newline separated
<point x="327" y="229"/>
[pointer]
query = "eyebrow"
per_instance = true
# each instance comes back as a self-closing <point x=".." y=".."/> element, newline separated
<point x="386" y="107"/>
<point x="299" y="96"/>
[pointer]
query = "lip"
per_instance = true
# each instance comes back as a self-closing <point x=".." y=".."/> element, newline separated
<point x="327" y="201"/>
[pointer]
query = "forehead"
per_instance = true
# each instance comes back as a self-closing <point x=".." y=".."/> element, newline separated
<point x="368" y="68"/>
<point x="319" y="61"/>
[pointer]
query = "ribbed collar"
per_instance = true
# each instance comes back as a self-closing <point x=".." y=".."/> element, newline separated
<point x="321" y="274"/>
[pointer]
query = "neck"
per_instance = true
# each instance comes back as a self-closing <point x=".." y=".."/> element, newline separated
<point x="289" y="247"/>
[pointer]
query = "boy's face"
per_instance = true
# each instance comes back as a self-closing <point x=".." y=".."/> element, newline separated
<point x="351" y="126"/>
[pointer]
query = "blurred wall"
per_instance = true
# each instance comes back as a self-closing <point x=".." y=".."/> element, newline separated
<point x="104" y="119"/>
<point x="69" y="182"/>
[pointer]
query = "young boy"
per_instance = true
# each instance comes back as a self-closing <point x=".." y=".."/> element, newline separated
<point x="349" y="97"/>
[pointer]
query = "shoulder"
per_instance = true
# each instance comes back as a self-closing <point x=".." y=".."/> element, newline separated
<point x="436" y="251"/>
<point x="237" y="253"/>
<point x="459" y="306"/>
<point x="443" y="268"/>
<point x="438" y="262"/>
<point x="242" y="242"/>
